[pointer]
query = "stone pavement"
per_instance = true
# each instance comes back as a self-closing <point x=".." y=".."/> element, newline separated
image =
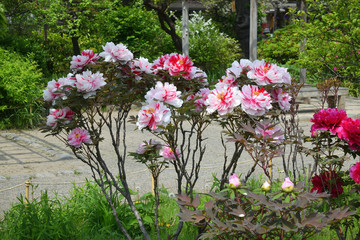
<point x="50" y="165"/>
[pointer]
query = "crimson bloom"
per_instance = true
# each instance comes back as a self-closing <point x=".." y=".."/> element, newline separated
<point x="355" y="172"/>
<point x="328" y="120"/>
<point x="350" y="131"/>
<point x="328" y="182"/>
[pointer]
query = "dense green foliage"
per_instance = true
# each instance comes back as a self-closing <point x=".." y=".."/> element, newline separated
<point x="209" y="48"/>
<point x="283" y="47"/>
<point x="138" y="29"/>
<point x="85" y="214"/>
<point x="20" y="86"/>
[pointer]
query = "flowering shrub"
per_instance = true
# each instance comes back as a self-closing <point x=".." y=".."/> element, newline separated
<point x="178" y="106"/>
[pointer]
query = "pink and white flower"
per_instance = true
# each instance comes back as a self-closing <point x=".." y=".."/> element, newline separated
<point x="80" y="61"/>
<point x="164" y="93"/>
<point x="264" y="73"/>
<point x="63" y="115"/>
<point x="255" y="101"/>
<point x="139" y="66"/>
<point x="114" y="53"/>
<point x="79" y="136"/>
<point x="235" y="69"/>
<point x="55" y="89"/>
<point x="168" y="154"/>
<point x="153" y="115"/>
<point x="89" y="82"/>
<point x="282" y="98"/>
<point x="354" y="172"/>
<point x="159" y="63"/>
<point x="199" y="99"/>
<point x="179" y="65"/>
<point x="246" y="65"/>
<point x="223" y="99"/>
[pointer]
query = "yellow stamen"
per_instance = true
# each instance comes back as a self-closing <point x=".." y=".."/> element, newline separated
<point x="150" y="111"/>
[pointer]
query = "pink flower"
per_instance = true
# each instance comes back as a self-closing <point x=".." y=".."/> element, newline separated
<point x="201" y="76"/>
<point x="282" y="98"/>
<point x="153" y="115"/>
<point x="179" y="65"/>
<point x="89" y="82"/>
<point x="287" y="186"/>
<point x="80" y="61"/>
<point x="328" y="120"/>
<point x="235" y="69"/>
<point x="355" y="172"/>
<point x="200" y="98"/>
<point x="167" y="153"/>
<point x="55" y="89"/>
<point x="268" y="130"/>
<point x="264" y="73"/>
<point x="255" y="101"/>
<point x="139" y="66"/>
<point x="114" y="53"/>
<point x="148" y="145"/>
<point x="164" y="93"/>
<point x="349" y="130"/>
<point x="79" y="136"/>
<point x="159" y="63"/>
<point x="63" y="115"/>
<point x="223" y="99"/>
<point x="234" y="181"/>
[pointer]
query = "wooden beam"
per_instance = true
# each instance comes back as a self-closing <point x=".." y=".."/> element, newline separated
<point x="253" y="30"/>
<point x="185" y="27"/>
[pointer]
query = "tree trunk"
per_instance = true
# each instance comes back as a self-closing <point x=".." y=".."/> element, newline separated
<point x="164" y="17"/>
<point x="242" y="24"/>
<point x="76" y="47"/>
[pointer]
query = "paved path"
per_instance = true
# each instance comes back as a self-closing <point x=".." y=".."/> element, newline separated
<point x="50" y="165"/>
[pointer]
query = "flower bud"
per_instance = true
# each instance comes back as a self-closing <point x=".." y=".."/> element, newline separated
<point x="287" y="185"/>
<point x="234" y="181"/>
<point x="266" y="186"/>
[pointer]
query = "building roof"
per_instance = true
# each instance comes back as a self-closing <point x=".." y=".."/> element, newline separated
<point x="193" y="5"/>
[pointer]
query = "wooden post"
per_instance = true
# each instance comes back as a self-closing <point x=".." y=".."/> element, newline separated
<point x="253" y="30"/>
<point x="303" y="42"/>
<point x="27" y="186"/>
<point x="185" y="27"/>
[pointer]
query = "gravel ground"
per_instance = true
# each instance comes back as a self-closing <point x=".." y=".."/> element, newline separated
<point x="50" y="165"/>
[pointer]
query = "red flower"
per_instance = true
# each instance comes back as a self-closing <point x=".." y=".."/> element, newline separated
<point x="350" y="131"/>
<point x="328" y="120"/>
<point x="355" y="172"/>
<point x="328" y="182"/>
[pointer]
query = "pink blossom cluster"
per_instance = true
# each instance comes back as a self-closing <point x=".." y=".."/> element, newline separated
<point x="179" y="65"/>
<point x="164" y="92"/>
<point x="168" y="154"/>
<point x="80" y="61"/>
<point x="337" y="122"/>
<point x="199" y="99"/>
<point x="114" y="53"/>
<point x="79" y="136"/>
<point x="140" y="66"/>
<point x="234" y="181"/>
<point x="55" y="89"/>
<point x="255" y="101"/>
<point x="329" y="119"/>
<point x="63" y="115"/>
<point x="89" y="82"/>
<point x="265" y="73"/>
<point x="355" y="172"/>
<point x="223" y="99"/>
<point x="153" y="115"/>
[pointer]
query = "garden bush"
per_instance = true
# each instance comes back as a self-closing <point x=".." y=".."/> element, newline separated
<point x="20" y="89"/>
<point x="209" y="48"/>
<point x="137" y="28"/>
